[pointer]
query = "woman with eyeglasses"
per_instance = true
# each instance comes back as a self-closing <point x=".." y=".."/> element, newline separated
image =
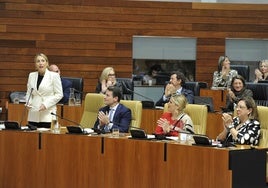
<point x="244" y="128"/>
<point x="106" y="80"/>
<point x="175" y="120"/>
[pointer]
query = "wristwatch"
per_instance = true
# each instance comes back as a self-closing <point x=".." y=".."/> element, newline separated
<point x="230" y="127"/>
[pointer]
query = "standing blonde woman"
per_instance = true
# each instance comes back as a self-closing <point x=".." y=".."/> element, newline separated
<point x="107" y="79"/>
<point x="262" y="72"/>
<point x="44" y="91"/>
<point x="175" y="120"/>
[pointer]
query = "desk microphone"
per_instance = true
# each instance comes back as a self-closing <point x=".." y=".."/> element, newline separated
<point x="189" y="130"/>
<point x="25" y="108"/>
<point x="78" y="91"/>
<point x="79" y="125"/>
<point x="227" y="142"/>
<point x="145" y="104"/>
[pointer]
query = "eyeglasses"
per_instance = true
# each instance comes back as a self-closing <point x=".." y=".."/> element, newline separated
<point x="241" y="107"/>
<point x="111" y="74"/>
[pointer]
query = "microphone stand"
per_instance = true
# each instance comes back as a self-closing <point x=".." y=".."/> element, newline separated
<point x="25" y="107"/>
<point x="79" y="125"/>
<point x="145" y="104"/>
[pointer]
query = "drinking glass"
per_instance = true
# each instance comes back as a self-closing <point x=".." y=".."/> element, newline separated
<point x="77" y="99"/>
<point x="115" y="132"/>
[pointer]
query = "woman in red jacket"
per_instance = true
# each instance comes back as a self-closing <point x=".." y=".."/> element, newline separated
<point x="175" y="120"/>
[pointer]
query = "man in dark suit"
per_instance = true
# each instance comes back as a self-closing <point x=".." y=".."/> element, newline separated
<point x="114" y="114"/>
<point x="175" y="86"/>
<point x="66" y="84"/>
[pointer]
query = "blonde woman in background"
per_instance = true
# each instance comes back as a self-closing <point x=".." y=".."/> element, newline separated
<point x="175" y="120"/>
<point x="107" y="79"/>
<point x="262" y="72"/>
<point x="44" y="91"/>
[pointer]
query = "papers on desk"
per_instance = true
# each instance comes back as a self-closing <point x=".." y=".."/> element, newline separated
<point x="2" y="126"/>
<point x="175" y="138"/>
<point x="151" y="136"/>
<point x="43" y="129"/>
<point x="24" y="127"/>
<point x="218" y="88"/>
<point x="88" y="130"/>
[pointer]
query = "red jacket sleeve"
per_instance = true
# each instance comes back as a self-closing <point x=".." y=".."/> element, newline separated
<point x="158" y="129"/>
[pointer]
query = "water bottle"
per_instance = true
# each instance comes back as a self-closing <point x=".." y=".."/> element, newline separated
<point x="55" y="126"/>
<point x="71" y="97"/>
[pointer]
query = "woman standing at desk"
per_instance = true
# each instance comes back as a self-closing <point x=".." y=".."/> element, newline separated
<point x="44" y="91"/>
<point x="224" y="75"/>
<point x="244" y="128"/>
<point x="175" y="120"/>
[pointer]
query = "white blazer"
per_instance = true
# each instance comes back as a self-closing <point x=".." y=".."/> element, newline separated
<point x="49" y="94"/>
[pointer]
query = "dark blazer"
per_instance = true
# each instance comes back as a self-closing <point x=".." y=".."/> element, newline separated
<point x="66" y="85"/>
<point x="121" y="120"/>
<point x="189" y="94"/>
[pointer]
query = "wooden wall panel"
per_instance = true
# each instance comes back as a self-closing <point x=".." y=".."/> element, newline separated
<point x="84" y="36"/>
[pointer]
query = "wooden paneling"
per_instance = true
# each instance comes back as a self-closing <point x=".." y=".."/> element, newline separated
<point x="83" y="37"/>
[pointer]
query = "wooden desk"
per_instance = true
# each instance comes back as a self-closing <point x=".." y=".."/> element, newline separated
<point x="148" y="123"/>
<point x="71" y="161"/>
<point x="17" y="112"/>
<point x="134" y="164"/>
<point x="207" y="167"/>
<point x="218" y="96"/>
<point x="20" y="159"/>
<point x="32" y="159"/>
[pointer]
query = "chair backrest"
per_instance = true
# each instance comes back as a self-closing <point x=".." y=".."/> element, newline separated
<point x="194" y="86"/>
<point x="127" y="86"/>
<point x="263" y="119"/>
<point x="242" y="70"/>
<point x="198" y="114"/>
<point x="203" y="84"/>
<point x="136" y="111"/>
<point x="77" y="83"/>
<point x="260" y="92"/>
<point x="93" y="102"/>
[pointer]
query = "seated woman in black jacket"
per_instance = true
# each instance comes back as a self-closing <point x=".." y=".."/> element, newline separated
<point x="237" y="91"/>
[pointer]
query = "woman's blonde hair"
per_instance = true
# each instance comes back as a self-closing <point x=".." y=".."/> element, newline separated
<point x="105" y="73"/>
<point x="179" y="100"/>
<point x="265" y="61"/>
<point x="42" y="55"/>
